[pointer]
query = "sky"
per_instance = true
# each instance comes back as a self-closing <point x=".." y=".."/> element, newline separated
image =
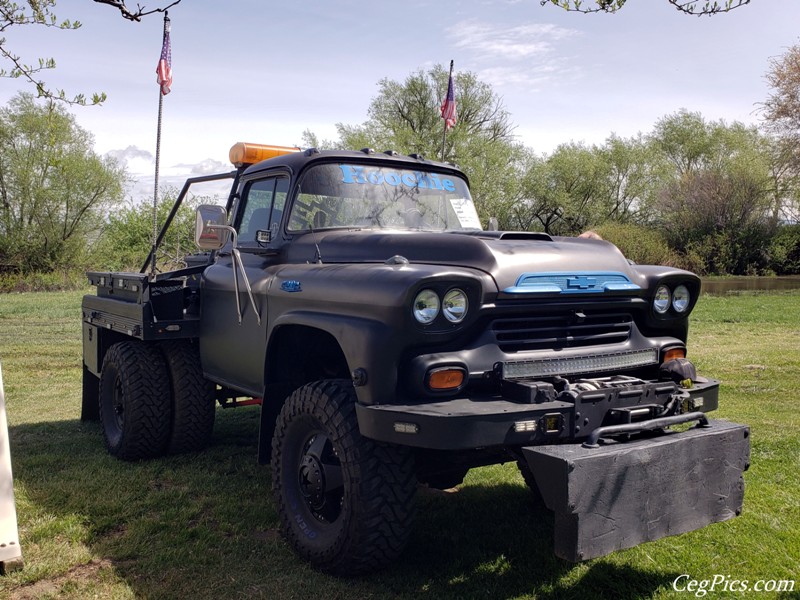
<point x="264" y="71"/>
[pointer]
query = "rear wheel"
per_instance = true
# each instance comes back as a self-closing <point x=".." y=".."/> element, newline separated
<point x="135" y="408"/>
<point x="345" y="502"/>
<point x="193" y="399"/>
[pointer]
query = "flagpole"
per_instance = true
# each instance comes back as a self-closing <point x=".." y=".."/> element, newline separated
<point x="444" y="133"/>
<point x="158" y="161"/>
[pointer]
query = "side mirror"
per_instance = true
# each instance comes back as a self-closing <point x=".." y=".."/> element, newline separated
<point x="210" y="230"/>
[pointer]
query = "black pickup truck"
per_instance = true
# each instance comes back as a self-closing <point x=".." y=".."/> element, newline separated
<point x="391" y="341"/>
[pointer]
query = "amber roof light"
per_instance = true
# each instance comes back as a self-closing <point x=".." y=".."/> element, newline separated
<point x="244" y="153"/>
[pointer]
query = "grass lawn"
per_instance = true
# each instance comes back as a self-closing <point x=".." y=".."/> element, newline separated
<point x="204" y="526"/>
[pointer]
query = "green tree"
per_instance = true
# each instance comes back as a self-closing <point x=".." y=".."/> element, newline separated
<point x="785" y="250"/>
<point x="128" y="235"/>
<point x="629" y="178"/>
<point x="781" y="110"/>
<point x="716" y="207"/>
<point x="405" y="117"/>
<point x="642" y="244"/>
<point x="54" y="190"/>
<point x="579" y="187"/>
<point x="781" y="113"/>
<point x="574" y="188"/>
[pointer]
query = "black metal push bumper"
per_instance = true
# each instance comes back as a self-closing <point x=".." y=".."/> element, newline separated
<point x="619" y="494"/>
<point x="482" y="421"/>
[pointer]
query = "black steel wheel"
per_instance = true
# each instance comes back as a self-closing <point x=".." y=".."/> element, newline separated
<point x="319" y="476"/>
<point x="193" y="399"/>
<point x="346" y="503"/>
<point x="135" y="408"/>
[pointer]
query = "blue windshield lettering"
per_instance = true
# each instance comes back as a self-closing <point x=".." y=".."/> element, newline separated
<point x="417" y="179"/>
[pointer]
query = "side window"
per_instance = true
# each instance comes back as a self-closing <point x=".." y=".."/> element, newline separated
<point x="264" y="201"/>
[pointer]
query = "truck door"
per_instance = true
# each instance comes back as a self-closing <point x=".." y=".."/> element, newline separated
<point x="233" y="351"/>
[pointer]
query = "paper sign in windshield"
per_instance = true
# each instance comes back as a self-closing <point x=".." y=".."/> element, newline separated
<point x="466" y="213"/>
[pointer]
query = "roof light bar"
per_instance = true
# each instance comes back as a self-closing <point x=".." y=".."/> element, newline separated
<point x="244" y="153"/>
<point x="578" y="364"/>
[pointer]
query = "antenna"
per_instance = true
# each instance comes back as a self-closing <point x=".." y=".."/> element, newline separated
<point x="318" y="255"/>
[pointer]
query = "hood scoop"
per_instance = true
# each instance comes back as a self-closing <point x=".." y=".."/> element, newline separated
<point x="510" y="235"/>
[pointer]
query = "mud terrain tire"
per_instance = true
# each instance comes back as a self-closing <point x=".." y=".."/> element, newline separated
<point x="135" y="407"/>
<point x="346" y="503"/>
<point x="193" y="399"/>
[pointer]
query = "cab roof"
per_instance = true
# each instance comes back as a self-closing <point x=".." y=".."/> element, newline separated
<point x="296" y="161"/>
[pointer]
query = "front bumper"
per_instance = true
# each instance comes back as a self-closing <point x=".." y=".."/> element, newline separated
<point x="483" y="421"/>
<point x="621" y="494"/>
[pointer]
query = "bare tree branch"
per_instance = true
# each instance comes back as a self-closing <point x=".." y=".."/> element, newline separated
<point x="708" y="7"/>
<point x="141" y="11"/>
<point x="40" y="12"/>
<point x="690" y="7"/>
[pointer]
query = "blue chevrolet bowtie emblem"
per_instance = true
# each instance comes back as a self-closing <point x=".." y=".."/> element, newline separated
<point x="581" y="282"/>
<point x="291" y="286"/>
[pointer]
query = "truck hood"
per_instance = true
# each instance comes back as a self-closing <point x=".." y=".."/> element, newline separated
<point x="509" y="257"/>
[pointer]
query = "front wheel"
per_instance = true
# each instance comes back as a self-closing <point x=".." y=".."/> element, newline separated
<point x="345" y="502"/>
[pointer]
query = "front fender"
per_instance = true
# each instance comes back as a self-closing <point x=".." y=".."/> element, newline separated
<point x="366" y="308"/>
<point x="367" y="344"/>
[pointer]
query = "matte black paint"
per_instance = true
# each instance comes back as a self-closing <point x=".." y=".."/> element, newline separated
<point x="347" y="295"/>
<point x="622" y="494"/>
<point x="364" y="303"/>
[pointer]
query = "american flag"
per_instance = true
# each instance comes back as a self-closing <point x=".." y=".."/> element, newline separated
<point x="164" y="68"/>
<point x="449" y="105"/>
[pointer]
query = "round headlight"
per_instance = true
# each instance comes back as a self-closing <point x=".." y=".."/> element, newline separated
<point x="426" y="306"/>
<point x="680" y="299"/>
<point x="661" y="300"/>
<point x="454" y="306"/>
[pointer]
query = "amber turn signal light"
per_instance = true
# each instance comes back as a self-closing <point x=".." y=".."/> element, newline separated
<point x="674" y="353"/>
<point x="446" y="378"/>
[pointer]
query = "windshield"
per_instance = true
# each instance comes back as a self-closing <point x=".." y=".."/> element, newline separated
<point x="363" y="197"/>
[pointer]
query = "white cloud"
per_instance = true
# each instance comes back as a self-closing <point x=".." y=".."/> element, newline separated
<point x="140" y="165"/>
<point x="129" y="153"/>
<point x="208" y="166"/>
<point x="141" y="188"/>
<point x="509" y="43"/>
<point x="528" y="78"/>
<point x="137" y="162"/>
